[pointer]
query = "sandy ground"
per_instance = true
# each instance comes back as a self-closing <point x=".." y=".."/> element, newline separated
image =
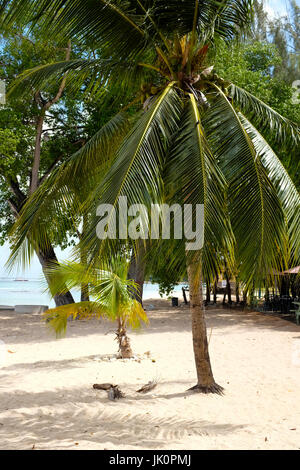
<point x="47" y="400"/>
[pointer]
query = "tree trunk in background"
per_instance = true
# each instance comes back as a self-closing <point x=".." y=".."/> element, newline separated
<point x="267" y="296"/>
<point x="46" y="259"/>
<point x="207" y="292"/>
<point x="136" y="270"/>
<point x="206" y="382"/>
<point x="251" y="295"/>
<point x="84" y="296"/>
<point x="237" y="290"/>
<point x="228" y="288"/>
<point x="47" y="256"/>
<point x="293" y="287"/>
<point x="245" y="294"/>
<point x="284" y="286"/>
<point x="215" y="290"/>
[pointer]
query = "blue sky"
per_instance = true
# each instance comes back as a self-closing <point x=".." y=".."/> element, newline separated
<point x="274" y="8"/>
<point x="34" y="271"/>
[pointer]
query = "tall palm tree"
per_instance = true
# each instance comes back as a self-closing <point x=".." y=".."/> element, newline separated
<point x="197" y="139"/>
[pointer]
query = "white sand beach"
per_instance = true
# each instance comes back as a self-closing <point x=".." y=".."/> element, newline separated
<point x="47" y="400"/>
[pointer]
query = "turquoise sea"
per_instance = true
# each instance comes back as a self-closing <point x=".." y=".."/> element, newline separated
<point x="32" y="292"/>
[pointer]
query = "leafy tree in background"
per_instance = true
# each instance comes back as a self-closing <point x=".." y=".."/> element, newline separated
<point x="33" y="157"/>
<point x="251" y="66"/>
<point x="38" y="132"/>
<point x="284" y="33"/>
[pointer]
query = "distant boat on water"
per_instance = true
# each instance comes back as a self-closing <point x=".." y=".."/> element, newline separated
<point x="20" y="279"/>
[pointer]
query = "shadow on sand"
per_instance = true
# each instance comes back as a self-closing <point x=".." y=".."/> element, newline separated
<point x="54" y="418"/>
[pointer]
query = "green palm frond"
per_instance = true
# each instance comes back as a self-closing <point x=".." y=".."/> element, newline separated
<point x="212" y="18"/>
<point x="134" y="315"/>
<point x="200" y="181"/>
<point x="282" y="129"/>
<point x="142" y="151"/>
<point x="112" y="24"/>
<point x="77" y="71"/>
<point x="287" y="192"/>
<point x="125" y="35"/>
<point x="255" y="211"/>
<point x="98" y="151"/>
<point x="57" y="318"/>
<point x="40" y="221"/>
<point x="136" y="171"/>
<point x="122" y="26"/>
<point x="111" y="292"/>
<point x="233" y="18"/>
<point x="69" y="275"/>
<point x="91" y="76"/>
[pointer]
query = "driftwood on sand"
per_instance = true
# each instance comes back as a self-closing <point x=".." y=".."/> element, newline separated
<point x="105" y="386"/>
<point x="113" y="391"/>
<point x="149" y="386"/>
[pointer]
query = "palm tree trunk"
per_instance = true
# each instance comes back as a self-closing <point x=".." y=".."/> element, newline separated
<point x="206" y="382"/>
<point x="125" y="351"/>
<point x="136" y="270"/>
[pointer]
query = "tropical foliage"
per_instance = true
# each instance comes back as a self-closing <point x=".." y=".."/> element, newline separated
<point x="197" y="139"/>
